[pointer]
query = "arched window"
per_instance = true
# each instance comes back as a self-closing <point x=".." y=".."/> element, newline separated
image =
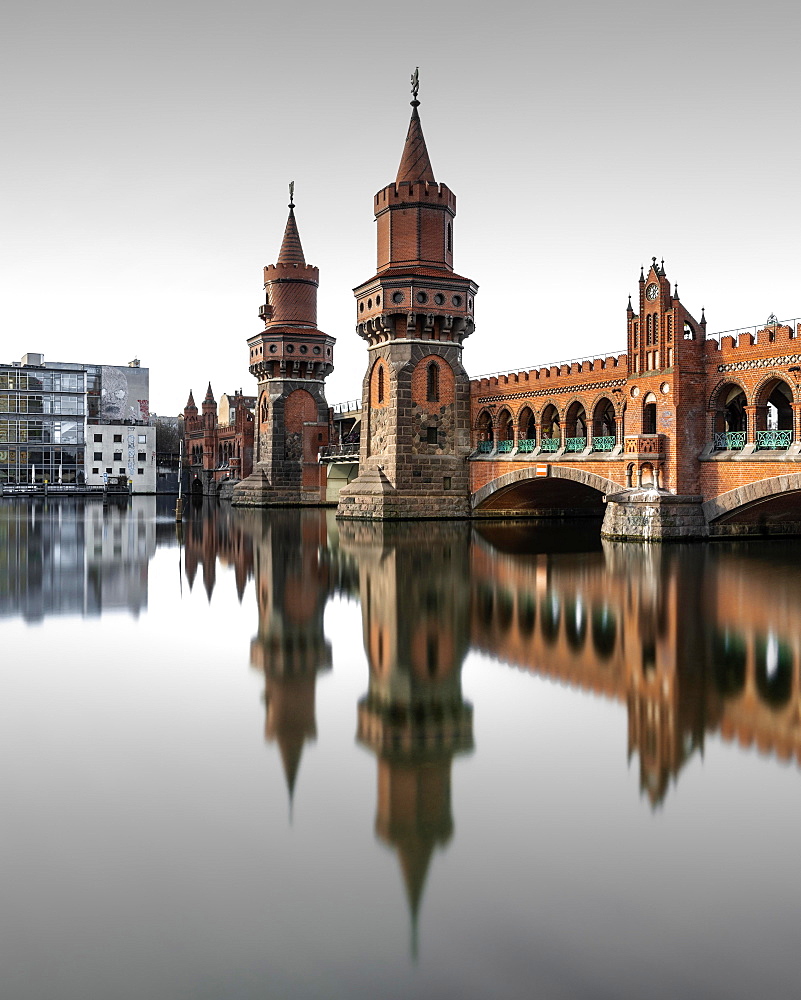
<point x="432" y="383"/>
<point x="380" y="383"/>
<point x="649" y="414"/>
<point x="450" y="239"/>
<point x="656" y="328"/>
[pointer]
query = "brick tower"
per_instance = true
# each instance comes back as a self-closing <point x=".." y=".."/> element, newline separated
<point x="414" y="314"/>
<point x="290" y="358"/>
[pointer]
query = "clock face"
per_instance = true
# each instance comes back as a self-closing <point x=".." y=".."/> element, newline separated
<point x="652" y="291"/>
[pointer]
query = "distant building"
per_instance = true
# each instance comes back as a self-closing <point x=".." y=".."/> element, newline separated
<point x="218" y="443"/>
<point x="75" y="423"/>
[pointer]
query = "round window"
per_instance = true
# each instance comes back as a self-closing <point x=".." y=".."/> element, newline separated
<point x="635" y="391"/>
<point x="273" y="348"/>
<point x="665" y="388"/>
<point x="361" y="307"/>
<point x="316" y="350"/>
<point x="397" y="296"/>
<point x="290" y="348"/>
<point x="457" y="300"/>
<point x="422" y="297"/>
<point x="304" y="349"/>
<point x="439" y="298"/>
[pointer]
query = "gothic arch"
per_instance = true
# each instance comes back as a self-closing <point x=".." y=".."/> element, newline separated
<point x="713" y="396"/>
<point x="761" y="386"/>
<point x="590" y="479"/>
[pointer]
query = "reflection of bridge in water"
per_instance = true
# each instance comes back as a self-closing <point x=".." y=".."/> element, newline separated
<point x="693" y="640"/>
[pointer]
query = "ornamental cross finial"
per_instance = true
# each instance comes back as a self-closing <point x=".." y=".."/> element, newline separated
<point x="291" y="194"/>
<point x="415" y="82"/>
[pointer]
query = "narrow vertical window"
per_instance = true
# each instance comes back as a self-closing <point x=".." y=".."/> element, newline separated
<point x="432" y="389"/>
<point x="381" y="384"/>
<point x="450" y="239"/>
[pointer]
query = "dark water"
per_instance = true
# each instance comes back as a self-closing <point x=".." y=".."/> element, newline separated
<point x="282" y="757"/>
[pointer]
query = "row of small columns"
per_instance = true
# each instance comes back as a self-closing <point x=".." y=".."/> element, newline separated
<point x="519" y="434"/>
<point x="757" y="420"/>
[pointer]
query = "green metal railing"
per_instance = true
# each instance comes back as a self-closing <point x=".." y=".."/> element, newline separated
<point x="729" y="440"/>
<point x="575" y="444"/>
<point x="773" y="440"/>
<point x="485" y="447"/>
<point x="603" y="443"/>
<point x="549" y="444"/>
<point x="526" y="444"/>
<point x="504" y="447"/>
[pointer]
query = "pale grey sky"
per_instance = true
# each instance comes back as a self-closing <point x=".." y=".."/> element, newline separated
<point x="148" y="148"/>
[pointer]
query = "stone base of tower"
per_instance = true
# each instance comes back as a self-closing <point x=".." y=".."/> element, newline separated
<point x="257" y="491"/>
<point x="654" y="516"/>
<point x="372" y="497"/>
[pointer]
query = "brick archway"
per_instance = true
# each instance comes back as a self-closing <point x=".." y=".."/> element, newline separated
<point x="748" y="494"/>
<point x="598" y="483"/>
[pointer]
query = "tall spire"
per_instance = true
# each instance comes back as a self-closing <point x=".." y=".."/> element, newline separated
<point x="291" y="250"/>
<point x="415" y="165"/>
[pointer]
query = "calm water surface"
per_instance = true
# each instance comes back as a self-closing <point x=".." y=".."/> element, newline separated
<point x="277" y="756"/>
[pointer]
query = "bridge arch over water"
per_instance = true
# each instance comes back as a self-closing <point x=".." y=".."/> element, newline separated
<point x="564" y="489"/>
<point x="776" y="499"/>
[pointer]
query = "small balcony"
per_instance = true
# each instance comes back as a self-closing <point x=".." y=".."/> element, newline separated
<point x="526" y="445"/>
<point x="504" y="447"/>
<point x="576" y="444"/>
<point x="549" y="444"/>
<point x="485" y="447"/>
<point x="644" y="445"/>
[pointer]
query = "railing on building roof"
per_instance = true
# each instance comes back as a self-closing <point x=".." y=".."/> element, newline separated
<point x="348" y="407"/>
<point x="770" y="323"/>
<point x="595" y="356"/>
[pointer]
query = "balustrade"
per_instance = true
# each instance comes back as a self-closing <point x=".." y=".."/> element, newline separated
<point x="575" y="444"/>
<point x="729" y="440"/>
<point x="504" y="447"/>
<point x="526" y="445"/>
<point x="549" y="444"/>
<point x="773" y="440"/>
<point x="485" y="447"/>
<point x="603" y="443"/>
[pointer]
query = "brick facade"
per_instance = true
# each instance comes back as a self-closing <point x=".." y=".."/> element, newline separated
<point x="218" y="445"/>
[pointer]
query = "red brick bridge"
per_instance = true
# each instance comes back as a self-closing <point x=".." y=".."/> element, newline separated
<point x="709" y="426"/>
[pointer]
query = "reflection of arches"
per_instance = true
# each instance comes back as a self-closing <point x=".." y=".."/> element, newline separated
<point x="604" y="632"/>
<point x="575" y="624"/>
<point x="526" y="614"/>
<point x="486" y="605"/>
<point x="505" y="610"/>
<point x="773" y="663"/>
<point x="728" y="660"/>
<point x="550" y="612"/>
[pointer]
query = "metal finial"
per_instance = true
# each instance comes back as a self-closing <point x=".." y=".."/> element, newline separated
<point x="291" y="194"/>
<point x="415" y="85"/>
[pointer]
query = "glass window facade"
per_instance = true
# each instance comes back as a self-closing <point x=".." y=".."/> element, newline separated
<point x="42" y="416"/>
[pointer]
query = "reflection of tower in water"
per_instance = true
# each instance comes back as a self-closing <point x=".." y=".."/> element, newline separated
<point x="415" y="598"/>
<point x="292" y="588"/>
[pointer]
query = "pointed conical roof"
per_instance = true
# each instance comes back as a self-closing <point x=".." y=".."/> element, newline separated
<point x="291" y="249"/>
<point x="190" y="403"/>
<point x="209" y="395"/>
<point x="415" y="164"/>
